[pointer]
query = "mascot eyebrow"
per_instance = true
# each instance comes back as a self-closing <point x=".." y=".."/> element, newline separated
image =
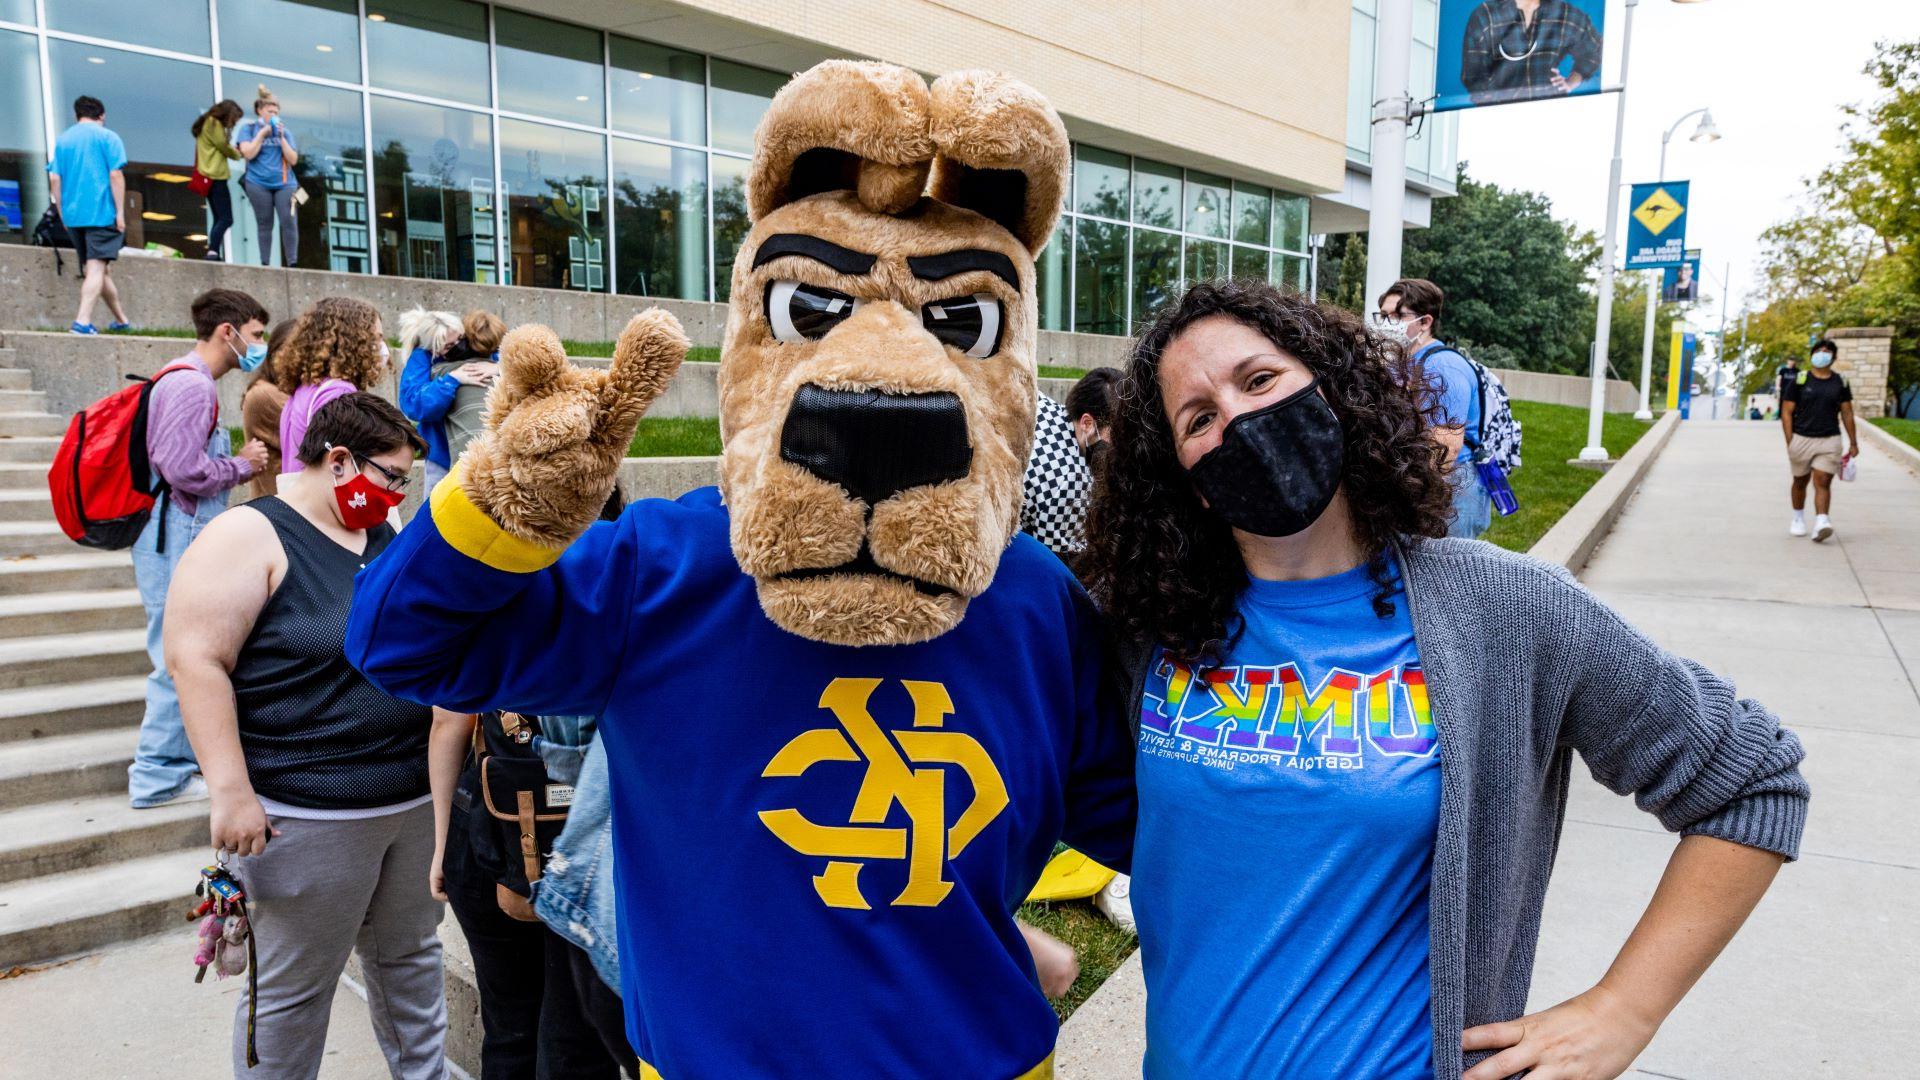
<point x="848" y="261"/>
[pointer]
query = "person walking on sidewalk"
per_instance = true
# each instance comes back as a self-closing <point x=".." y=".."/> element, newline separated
<point x="1813" y="405"/>
<point x="1410" y="312"/>
<point x="188" y="449"/>
<point x="88" y="187"/>
<point x="211" y="152"/>
<point x="319" y="778"/>
<point x="269" y="181"/>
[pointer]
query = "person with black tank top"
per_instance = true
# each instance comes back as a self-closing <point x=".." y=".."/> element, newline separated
<point x="318" y="779"/>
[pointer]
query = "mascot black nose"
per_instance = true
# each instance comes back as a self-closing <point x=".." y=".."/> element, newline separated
<point x="874" y="444"/>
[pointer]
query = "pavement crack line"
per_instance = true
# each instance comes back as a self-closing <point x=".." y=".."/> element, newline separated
<point x="1572" y="820"/>
<point x="1912" y="686"/>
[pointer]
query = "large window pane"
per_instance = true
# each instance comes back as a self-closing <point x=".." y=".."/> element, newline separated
<point x="1291" y="271"/>
<point x="1156" y="193"/>
<point x="1251" y="208"/>
<point x="151" y="102"/>
<point x="1206" y="260"/>
<point x="660" y="220"/>
<point x="1100" y="182"/>
<point x="1250" y="263"/>
<point x="179" y="25"/>
<point x="433" y="191"/>
<point x="1290" y="222"/>
<point x="23" y="145"/>
<point x="1051" y="271"/>
<point x="548" y="68"/>
<point x="1100" y="278"/>
<point x="740" y="98"/>
<point x="313" y="37"/>
<point x="19" y="11"/>
<point x="730" y="222"/>
<point x="1156" y="273"/>
<point x="659" y="91"/>
<point x="1207" y="205"/>
<point x="554" y="181"/>
<point x="433" y="47"/>
<point x="325" y="124"/>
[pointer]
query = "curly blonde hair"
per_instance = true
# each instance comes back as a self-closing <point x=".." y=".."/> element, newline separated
<point x="338" y="338"/>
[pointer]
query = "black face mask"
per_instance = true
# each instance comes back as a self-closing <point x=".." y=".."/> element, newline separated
<point x="1276" y="468"/>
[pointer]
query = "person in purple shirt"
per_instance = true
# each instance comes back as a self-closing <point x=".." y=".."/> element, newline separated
<point x="340" y="348"/>
<point x="189" y="452"/>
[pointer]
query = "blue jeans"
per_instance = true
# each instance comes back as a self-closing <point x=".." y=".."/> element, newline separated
<point x="1472" y="509"/>
<point x="164" y="761"/>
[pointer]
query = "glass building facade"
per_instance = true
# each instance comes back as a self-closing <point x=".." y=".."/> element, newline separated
<point x="456" y="140"/>
<point x="1433" y="147"/>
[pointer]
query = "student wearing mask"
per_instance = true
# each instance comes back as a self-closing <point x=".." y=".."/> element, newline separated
<point x="1814" y="403"/>
<point x="340" y="348"/>
<point x="269" y="182"/>
<point x="318" y="778"/>
<point x="1354" y="736"/>
<point x="188" y="450"/>
<point x="1410" y="312"/>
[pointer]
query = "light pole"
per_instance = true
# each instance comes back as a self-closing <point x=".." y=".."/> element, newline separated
<point x="1706" y="132"/>
<point x="1392" y="105"/>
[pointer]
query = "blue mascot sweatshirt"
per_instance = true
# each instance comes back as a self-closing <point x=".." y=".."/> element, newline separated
<point x="818" y="849"/>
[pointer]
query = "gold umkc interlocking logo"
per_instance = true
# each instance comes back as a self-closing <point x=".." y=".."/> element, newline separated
<point x="925" y="841"/>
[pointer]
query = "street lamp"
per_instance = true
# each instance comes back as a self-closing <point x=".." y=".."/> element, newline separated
<point x="1595" y="453"/>
<point x="1705" y="132"/>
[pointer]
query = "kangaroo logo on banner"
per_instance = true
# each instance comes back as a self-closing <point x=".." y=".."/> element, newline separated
<point x="1657" y="226"/>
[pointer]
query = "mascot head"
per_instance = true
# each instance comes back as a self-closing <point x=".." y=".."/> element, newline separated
<point x="877" y="380"/>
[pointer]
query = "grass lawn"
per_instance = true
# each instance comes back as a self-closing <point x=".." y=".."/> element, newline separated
<point x="676" y="437"/>
<point x="1907" y="431"/>
<point x="1100" y="945"/>
<point x="699" y="353"/>
<point x="1546" y="485"/>
<point x="1051" y="371"/>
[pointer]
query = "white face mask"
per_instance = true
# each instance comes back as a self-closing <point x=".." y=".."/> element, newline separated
<point x="1822" y="359"/>
<point x="385" y="352"/>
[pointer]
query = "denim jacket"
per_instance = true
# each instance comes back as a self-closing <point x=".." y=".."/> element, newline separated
<point x="575" y="896"/>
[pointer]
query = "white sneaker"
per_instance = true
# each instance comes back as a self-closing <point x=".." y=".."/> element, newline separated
<point x="1799" y="526"/>
<point x="1115" y="903"/>
<point x="1822" y="528"/>
<point x="195" y="791"/>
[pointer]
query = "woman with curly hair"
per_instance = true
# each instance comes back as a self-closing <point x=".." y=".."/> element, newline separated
<point x="340" y="348"/>
<point x="1355" y="736"/>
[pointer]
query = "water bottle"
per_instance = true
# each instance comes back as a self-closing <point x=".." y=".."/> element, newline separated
<point x="1494" y="479"/>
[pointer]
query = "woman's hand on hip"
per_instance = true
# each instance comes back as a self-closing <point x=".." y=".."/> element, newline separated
<point x="437" y="876"/>
<point x="239" y="824"/>
<point x="1594" y="1036"/>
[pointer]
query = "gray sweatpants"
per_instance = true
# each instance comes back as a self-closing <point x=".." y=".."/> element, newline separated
<point x="321" y="890"/>
<point x="266" y="205"/>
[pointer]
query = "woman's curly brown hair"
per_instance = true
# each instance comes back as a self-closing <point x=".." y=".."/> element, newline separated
<point x="337" y="338"/>
<point x="1166" y="570"/>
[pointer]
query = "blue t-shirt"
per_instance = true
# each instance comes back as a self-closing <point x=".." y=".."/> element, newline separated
<point x="268" y="169"/>
<point x="1288" y="805"/>
<point x="84" y="157"/>
<point x="1458" y="389"/>
<point x="817" y="849"/>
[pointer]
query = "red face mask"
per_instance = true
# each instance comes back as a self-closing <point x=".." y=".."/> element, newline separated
<point x="363" y="503"/>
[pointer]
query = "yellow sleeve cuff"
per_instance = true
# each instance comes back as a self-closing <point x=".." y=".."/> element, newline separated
<point x="473" y="534"/>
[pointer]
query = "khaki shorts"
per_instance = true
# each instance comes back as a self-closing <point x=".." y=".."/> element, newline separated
<point x="1807" y="454"/>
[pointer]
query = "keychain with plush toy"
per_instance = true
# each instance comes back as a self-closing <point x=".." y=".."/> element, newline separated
<point x="847" y="711"/>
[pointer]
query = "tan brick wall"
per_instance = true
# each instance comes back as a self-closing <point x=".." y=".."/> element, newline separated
<point x="1257" y="89"/>
<point x="1865" y="358"/>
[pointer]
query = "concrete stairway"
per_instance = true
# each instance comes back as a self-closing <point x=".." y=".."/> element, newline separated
<point x="78" y="868"/>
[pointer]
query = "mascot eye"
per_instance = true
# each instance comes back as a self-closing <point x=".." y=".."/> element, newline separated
<point x="800" y="312"/>
<point x="968" y="323"/>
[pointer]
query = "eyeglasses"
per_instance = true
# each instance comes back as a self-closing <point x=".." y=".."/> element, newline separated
<point x="396" y="481"/>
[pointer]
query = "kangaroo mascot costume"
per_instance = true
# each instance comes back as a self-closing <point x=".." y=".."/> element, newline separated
<point x="848" y="713"/>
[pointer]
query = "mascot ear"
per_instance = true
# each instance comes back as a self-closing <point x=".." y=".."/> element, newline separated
<point x="843" y="125"/>
<point x="1001" y="151"/>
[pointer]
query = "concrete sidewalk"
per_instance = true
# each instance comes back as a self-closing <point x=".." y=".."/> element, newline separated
<point x="1825" y="979"/>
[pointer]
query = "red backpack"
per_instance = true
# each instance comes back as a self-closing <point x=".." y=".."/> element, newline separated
<point x="102" y="484"/>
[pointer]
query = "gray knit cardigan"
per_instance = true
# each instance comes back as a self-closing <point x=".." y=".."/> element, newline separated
<point x="1525" y="666"/>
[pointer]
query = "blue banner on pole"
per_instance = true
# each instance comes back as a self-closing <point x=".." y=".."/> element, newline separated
<point x="1680" y="284"/>
<point x="1657" y="225"/>
<point x="1489" y="53"/>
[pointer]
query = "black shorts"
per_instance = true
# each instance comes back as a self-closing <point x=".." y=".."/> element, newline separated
<point x="97" y="242"/>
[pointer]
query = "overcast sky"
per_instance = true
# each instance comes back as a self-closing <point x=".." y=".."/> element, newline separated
<point x="1776" y="74"/>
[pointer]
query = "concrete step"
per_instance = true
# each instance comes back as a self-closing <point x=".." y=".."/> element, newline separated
<point x="50" y="659"/>
<point x="46" y="711"/>
<point x="34" y="448"/>
<point x="83" y="909"/>
<point x="76" y="572"/>
<point x="23" y="475"/>
<point x="53" y="838"/>
<point x="26" y="503"/>
<point x="65" y="767"/>
<point x="22" y="401"/>
<point x="35" y="537"/>
<point x="32" y="423"/>
<point x="13" y="378"/>
<point x="33" y="614"/>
